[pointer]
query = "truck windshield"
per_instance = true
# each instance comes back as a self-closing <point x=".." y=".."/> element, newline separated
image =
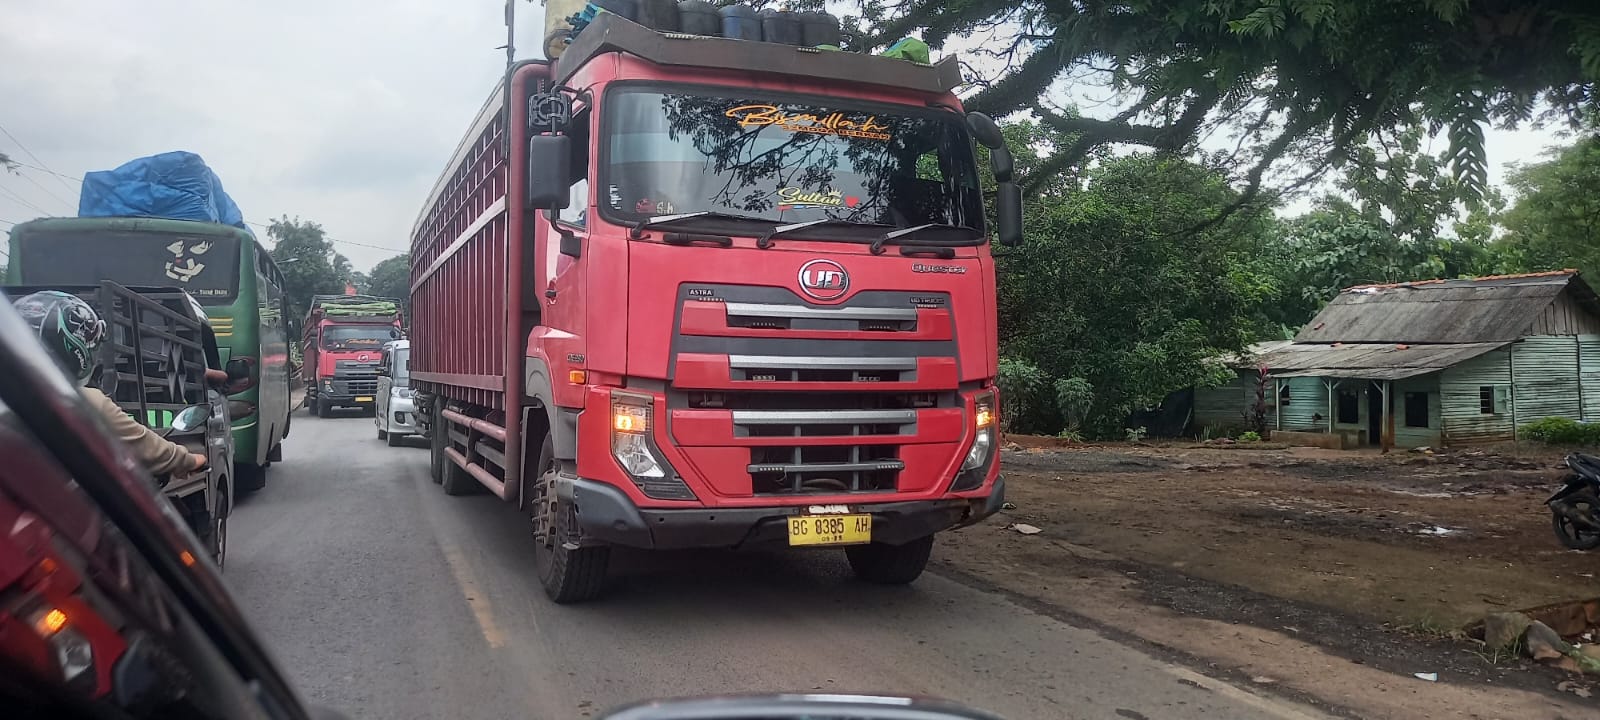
<point x="357" y="337"/>
<point x="788" y="161"/>
<point x="207" y="266"/>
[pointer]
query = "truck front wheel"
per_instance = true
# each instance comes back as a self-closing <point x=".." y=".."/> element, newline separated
<point x="569" y="573"/>
<point x="890" y="564"/>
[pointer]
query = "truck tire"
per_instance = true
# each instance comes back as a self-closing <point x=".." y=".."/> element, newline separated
<point x="395" y="439"/>
<point x="382" y="435"/>
<point x="249" y="477"/>
<point x="569" y="574"/>
<point x="890" y="564"/>
<point x="456" y="480"/>
<point x="436" y="444"/>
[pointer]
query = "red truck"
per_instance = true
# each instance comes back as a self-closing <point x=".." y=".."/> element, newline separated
<point x="678" y="292"/>
<point x="342" y="341"/>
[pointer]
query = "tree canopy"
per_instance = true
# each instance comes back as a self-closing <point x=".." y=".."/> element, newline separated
<point x="1556" y="221"/>
<point x="391" y="278"/>
<point x="1108" y="306"/>
<point x="309" y="263"/>
<point x="1308" y="79"/>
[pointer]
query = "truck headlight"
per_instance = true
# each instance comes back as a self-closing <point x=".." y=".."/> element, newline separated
<point x="636" y="452"/>
<point x="630" y="430"/>
<point x="73" y="653"/>
<point x="976" y="465"/>
<point x="404" y="393"/>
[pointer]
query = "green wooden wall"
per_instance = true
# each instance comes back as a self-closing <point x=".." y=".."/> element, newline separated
<point x="1459" y="395"/>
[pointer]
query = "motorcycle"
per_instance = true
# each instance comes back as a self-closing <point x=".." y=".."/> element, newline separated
<point x="1575" y="509"/>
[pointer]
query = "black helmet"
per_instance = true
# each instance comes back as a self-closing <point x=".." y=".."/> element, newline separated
<point x="67" y="326"/>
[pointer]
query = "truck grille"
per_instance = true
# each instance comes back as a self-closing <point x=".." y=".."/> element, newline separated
<point x="845" y="385"/>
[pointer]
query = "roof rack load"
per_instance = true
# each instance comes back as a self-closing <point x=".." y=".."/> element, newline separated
<point x="609" y="32"/>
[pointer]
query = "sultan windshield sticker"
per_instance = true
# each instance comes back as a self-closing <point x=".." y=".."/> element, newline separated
<point x="830" y="124"/>
<point x="184" y="265"/>
<point x="793" y="198"/>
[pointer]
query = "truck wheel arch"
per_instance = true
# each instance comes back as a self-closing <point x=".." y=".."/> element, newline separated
<point x="563" y="424"/>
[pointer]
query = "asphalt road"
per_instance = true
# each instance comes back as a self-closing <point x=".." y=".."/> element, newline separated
<point x="387" y="599"/>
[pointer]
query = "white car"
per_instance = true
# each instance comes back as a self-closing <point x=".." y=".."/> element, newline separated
<point x="396" y="412"/>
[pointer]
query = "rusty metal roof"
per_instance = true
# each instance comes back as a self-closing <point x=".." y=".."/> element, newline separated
<point x="1372" y="361"/>
<point x="1478" y="310"/>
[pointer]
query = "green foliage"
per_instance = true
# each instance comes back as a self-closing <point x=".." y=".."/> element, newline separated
<point x="309" y="263"/>
<point x="1249" y="436"/>
<point x="1298" y="81"/>
<point x="1134" y="434"/>
<point x="1387" y="223"/>
<point x="1021" y="386"/>
<point x="1556" y="219"/>
<point x="391" y="278"/>
<point x="1561" y="431"/>
<point x="1074" y="397"/>
<point x="1114" y="295"/>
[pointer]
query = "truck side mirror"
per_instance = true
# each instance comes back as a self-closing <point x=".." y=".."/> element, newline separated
<point x="1008" y="213"/>
<point x="549" y="171"/>
<point x="1000" y="161"/>
<point x="985" y="130"/>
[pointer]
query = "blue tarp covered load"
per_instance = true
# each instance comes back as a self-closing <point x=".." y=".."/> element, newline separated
<point x="175" y="185"/>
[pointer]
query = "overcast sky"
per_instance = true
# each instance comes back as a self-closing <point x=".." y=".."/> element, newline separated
<point x="338" y="111"/>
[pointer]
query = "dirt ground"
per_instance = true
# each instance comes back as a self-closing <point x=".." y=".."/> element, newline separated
<point x="1332" y="576"/>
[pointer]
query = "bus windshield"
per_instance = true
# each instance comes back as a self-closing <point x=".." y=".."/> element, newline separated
<point x="787" y="161"/>
<point x="357" y="337"/>
<point x="205" y="265"/>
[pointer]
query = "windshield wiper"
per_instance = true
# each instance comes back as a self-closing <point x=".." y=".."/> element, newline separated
<point x="637" y="230"/>
<point x="894" y="236"/>
<point x="765" y="241"/>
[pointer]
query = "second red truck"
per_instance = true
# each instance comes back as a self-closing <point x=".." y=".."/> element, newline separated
<point x="342" y="346"/>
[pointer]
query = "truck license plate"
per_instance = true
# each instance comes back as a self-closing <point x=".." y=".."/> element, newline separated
<point x="364" y="399"/>
<point x="830" y="529"/>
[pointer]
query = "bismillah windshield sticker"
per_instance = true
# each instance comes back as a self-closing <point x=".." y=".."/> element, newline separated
<point x="835" y="123"/>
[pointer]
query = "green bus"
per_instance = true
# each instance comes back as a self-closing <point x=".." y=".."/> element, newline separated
<point x="223" y="267"/>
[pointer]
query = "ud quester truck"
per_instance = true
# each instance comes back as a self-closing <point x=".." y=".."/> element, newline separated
<point x="695" y="292"/>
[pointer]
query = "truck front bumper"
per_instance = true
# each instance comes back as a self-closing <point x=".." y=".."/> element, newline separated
<point x="607" y="516"/>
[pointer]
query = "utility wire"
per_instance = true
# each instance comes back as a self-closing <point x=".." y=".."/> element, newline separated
<point x="30" y="154"/>
<point x="70" y="206"/>
<point x="73" y="178"/>
<point x="22" y="200"/>
<point x="334" y="239"/>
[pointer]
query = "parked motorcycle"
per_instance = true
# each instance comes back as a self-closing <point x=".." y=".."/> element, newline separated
<point x="1575" y="509"/>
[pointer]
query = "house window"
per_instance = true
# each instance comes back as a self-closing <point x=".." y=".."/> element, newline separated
<point x="1349" y="406"/>
<point x="1486" y="399"/>
<point x="1416" y="409"/>
<point x="1283" y="396"/>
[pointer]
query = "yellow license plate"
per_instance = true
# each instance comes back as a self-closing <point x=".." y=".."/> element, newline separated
<point x="830" y="529"/>
<point x="363" y="399"/>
